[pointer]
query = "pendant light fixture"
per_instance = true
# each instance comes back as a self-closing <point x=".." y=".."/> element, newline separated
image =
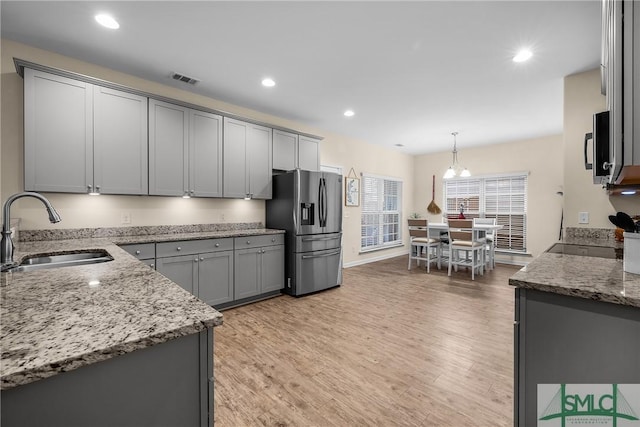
<point x="454" y="169"/>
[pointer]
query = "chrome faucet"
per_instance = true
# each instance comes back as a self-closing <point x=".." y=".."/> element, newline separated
<point x="6" y="250"/>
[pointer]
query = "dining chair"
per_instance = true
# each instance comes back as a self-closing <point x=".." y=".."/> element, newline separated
<point x="464" y="238"/>
<point x="490" y="235"/>
<point x="423" y="247"/>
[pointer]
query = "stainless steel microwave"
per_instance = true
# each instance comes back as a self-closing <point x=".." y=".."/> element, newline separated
<point x="601" y="155"/>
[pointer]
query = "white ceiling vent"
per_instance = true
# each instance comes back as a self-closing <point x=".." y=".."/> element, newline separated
<point x="183" y="78"/>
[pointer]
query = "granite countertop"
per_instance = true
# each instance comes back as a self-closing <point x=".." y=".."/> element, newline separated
<point x="57" y="320"/>
<point x="597" y="279"/>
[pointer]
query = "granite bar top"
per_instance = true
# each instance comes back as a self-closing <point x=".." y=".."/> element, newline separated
<point x="597" y="279"/>
<point x="57" y="320"/>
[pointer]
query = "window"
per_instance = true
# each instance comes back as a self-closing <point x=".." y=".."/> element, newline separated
<point x="502" y="197"/>
<point x="381" y="212"/>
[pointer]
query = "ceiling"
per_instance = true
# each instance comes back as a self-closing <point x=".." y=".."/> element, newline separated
<point x="413" y="72"/>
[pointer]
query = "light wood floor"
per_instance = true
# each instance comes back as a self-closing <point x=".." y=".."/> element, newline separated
<point x="390" y="347"/>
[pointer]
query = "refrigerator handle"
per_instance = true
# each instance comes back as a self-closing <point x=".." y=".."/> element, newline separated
<point x="320" y="256"/>
<point x="326" y="200"/>
<point x="321" y="202"/>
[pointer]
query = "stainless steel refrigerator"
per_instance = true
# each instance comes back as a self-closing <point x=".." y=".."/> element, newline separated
<point x="308" y="205"/>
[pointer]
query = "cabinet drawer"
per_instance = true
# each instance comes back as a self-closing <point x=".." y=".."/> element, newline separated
<point x="190" y="247"/>
<point x="257" y="241"/>
<point x="141" y="251"/>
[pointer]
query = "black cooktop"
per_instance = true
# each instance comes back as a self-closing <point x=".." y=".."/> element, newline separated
<point x="592" y="251"/>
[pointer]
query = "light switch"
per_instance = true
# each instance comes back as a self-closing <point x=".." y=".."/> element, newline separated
<point x="583" y="218"/>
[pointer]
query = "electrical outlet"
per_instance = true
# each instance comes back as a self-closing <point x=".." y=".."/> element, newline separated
<point x="125" y="218"/>
<point x="583" y="218"/>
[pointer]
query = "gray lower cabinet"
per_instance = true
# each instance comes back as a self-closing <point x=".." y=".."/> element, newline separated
<point x="216" y="273"/>
<point x="259" y="266"/>
<point x="185" y="151"/>
<point x="81" y="137"/>
<point x="167" y="384"/>
<point x="145" y="252"/>
<point x="570" y="340"/>
<point x="181" y="269"/>
<point x="247" y="160"/>
<point x="206" y="270"/>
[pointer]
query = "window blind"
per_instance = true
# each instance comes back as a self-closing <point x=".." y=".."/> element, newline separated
<point x="381" y="212"/>
<point x="502" y="197"/>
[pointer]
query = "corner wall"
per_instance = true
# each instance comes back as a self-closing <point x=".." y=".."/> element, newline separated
<point x="582" y="98"/>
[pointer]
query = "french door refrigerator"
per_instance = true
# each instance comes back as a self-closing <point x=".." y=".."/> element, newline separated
<point x="308" y="205"/>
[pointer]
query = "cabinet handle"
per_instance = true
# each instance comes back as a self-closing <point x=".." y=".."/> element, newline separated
<point x="201" y="259"/>
<point x="137" y="252"/>
<point x="195" y="259"/>
<point x="192" y="192"/>
<point x="152" y="266"/>
<point x="178" y="248"/>
<point x="217" y="245"/>
<point x="273" y="239"/>
<point x="248" y="242"/>
<point x="263" y="251"/>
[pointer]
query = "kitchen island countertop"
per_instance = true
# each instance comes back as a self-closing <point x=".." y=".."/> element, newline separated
<point x="597" y="279"/>
<point x="57" y="320"/>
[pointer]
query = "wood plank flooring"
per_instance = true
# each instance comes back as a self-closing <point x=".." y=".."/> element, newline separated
<point x="390" y="347"/>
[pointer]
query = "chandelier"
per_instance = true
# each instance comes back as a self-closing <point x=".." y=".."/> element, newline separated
<point x="454" y="169"/>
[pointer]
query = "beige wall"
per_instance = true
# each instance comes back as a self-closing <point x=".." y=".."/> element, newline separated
<point x="582" y="98"/>
<point x="105" y="211"/>
<point x="373" y="159"/>
<point x="541" y="157"/>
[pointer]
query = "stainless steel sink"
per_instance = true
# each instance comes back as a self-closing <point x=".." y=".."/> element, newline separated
<point x="61" y="260"/>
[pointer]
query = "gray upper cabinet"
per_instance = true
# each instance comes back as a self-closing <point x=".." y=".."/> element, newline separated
<point x="291" y="151"/>
<point x="81" y="137"/>
<point x="168" y="148"/>
<point x="285" y="150"/>
<point x="205" y="154"/>
<point x="308" y="153"/>
<point x="185" y="151"/>
<point x="247" y="160"/>
<point x="120" y="142"/>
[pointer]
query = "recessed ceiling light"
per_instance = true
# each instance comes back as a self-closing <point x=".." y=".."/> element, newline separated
<point x="349" y="113"/>
<point x="628" y="192"/>
<point x="399" y="145"/>
<point x="107" y="21"/>
<point x="268" y="82"/>
<point x="523" y="55"/>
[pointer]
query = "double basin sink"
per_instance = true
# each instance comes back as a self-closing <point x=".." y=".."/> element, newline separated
<point x="39" y="262"/>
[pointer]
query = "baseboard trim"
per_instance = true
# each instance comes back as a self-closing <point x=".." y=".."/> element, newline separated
<point x="396" y="254"/>
<point x="374" y="259"/>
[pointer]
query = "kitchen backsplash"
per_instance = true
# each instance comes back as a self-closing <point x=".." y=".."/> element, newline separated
<point x="589" y="233"/>
<point x="84" y="233"/>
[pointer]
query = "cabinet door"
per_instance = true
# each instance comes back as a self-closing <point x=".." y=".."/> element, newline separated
<point x="181" y="269"/>
<point x="58" y="133"/>
<point x="205" y="154"/>
<point x="120" y="142"/>
<point x="259" y="151"/>
<point x="308" y="153"/>
<point x="234" y="164"/>
<point x="285" y="145"/>
<point x="272" y="268"/>
<point x="247" y="272"/>
<point x="168" y="148"/>
<point x="215" y="277"/>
